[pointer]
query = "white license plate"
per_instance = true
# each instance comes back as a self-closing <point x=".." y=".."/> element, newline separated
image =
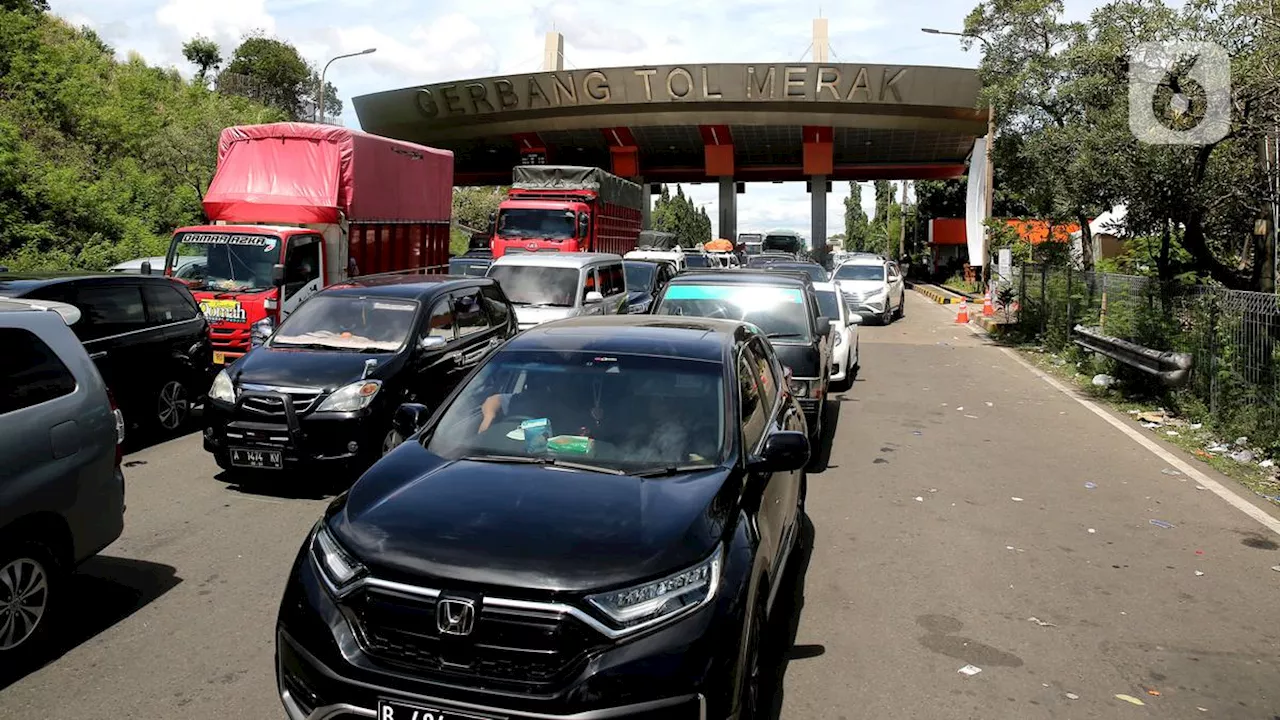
<point x="392" y="710"/>
<point x="249" y="458"/>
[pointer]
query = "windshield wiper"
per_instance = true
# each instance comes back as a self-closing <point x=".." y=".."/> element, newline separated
<point x="557" y="462"/>
<point x="310" y="346"/>
<point x="672" y="470"/>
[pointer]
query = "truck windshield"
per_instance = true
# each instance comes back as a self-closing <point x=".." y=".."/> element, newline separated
<point x="535" y="223"/>
<point x="345" y="322"/>
<point x="227" y="261"/>
<point x="537" y="285"/>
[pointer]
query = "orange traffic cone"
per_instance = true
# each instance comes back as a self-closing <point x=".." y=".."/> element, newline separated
<point x="988" y="310"/>
<point x="962" y="317"/>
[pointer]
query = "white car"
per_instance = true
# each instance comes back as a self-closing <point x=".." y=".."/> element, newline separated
<point x="844" y="334"/>
<point x="873" y="286"/>
<point x="674" y="255"/>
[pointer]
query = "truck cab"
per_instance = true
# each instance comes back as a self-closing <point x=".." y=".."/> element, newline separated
<point x="531" y="225"/>
<point x="248" y="278"/>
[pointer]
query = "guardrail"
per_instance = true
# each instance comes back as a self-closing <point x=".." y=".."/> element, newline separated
<point x="1172" y="368"/>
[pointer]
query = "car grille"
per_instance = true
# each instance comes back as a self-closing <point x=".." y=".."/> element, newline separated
<point x="272" y="406"/>
<point x="528" y="651"/>
<point x="855" y="296"/>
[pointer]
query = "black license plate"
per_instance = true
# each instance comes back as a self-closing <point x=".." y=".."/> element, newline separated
<point x="246" y="457"/>
<point x="392" y="710"/>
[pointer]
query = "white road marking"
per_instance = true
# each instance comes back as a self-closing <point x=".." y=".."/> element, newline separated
<point x="1222" y="491"/>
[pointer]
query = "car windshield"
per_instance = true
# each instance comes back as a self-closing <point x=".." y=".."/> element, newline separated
<point x="474" y="268"/>
<point x="623" y="413"/>
<point x="639" y="274"/>
<point x="779" y="312"/>
<point x="816" y="273"/>
<point x="860" y="272"/>
<point x="226" y="261"/>
<point x="827" y="304"/>
<point x="348" y="322"/>
<point x="537" y="285"/>
<point x="698" y="261"/>
<point x="535" y="223"/>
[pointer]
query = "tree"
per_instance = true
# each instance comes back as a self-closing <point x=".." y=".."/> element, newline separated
<point x="473" y="206"/>
<point x="677" y="214"/>
<point x="204" y="54"/>
<point x="855" y="220"/>
<point x="884" y="199"/>
<point x="272" y="72"/>
<point x="24" y="6"/>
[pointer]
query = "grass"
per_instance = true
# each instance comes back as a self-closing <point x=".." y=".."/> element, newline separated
<point x="1079" y="374"/>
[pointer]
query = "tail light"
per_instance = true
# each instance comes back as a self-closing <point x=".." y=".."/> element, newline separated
<point x="119" y="418"/>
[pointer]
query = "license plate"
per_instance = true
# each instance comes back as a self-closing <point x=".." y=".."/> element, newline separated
<point x="219" y="358"/>
<point x="391" y="710"/>
<point x="244" y="457"/>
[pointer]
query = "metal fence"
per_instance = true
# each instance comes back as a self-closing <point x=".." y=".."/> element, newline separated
<point x="1233" y="335"/>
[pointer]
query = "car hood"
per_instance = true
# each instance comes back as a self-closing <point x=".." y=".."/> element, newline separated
<point x="307" y="368"/>
<point x="862" y="286"/>
<point x="415" y="515"/>
<point x="528" y="315"/>
<point x="803" y="360"/>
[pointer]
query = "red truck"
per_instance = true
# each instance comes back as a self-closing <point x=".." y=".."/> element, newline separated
<point x="563" y="208"/>
<point x="298" y="207"/>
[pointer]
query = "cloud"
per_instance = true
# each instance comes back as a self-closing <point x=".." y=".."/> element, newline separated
<point x="225" y="21"/>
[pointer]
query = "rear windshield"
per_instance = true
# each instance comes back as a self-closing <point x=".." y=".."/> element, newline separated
<point x="697" y="261"/>
<point x="860" y="272"/>
<point x="639" y="275"/>
<point x="780" y="312"/>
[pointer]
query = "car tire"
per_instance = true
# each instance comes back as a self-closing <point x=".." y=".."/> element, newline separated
<point x="390" y="442"/>
<point x="750" y="693"/>
<point x="31" y="581"/>
<point x="223" y="459"/>
<point x="902" y="306"/>
<point x="886" y="317"/>
<point x="171" y="408"/>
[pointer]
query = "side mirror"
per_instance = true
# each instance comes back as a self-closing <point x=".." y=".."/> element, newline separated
<point x="783" y="451"/>
<point x="593" y="296"/>
<point x="431" y="342"/>
<point x="856" y="319"/>
<point x="824" y="325"/>
<point x="277" y="274"/>
<point x="409" y="418"/>
<point x="584" y="225"/>
<point x="146" y="267"/>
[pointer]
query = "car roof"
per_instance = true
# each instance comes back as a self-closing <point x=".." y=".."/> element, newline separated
<point x="15" y="284"/>
<point x="744" y="276"/>
<point x="406" y="287"/>
<point x="70" y="314"/>
<point x="695" y="338"/>
<point x="557" y="259"/>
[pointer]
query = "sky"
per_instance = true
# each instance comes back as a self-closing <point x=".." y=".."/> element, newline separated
<point x="431" y="41"/>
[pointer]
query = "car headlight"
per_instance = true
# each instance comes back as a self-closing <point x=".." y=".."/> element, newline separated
<point x="800" y="388"/>
<point x="640" y="606"/>
<point x="878" y="296"/>
<point x="335" y="563"/>
<point x="260" y="331"/>
<point x="350" y="398"/>
<point x="222" y="389"/>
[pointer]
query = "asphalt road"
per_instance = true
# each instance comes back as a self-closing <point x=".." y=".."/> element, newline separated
<point x="175" y="619"/>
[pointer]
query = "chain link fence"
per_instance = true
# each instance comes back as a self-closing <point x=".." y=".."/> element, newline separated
<point x="1233" y="335"/>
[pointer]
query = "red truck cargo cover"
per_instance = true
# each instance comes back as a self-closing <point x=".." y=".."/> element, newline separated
<point x="305" y="173"/>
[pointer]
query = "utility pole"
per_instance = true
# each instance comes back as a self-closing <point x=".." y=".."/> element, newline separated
<point x="902" y="229"/>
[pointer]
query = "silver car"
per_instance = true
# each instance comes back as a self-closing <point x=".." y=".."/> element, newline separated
<point x="61" y="488"/>
<point x="546" y="286"/>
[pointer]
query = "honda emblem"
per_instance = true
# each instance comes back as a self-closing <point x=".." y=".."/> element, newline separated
<point x="455" y="616"/>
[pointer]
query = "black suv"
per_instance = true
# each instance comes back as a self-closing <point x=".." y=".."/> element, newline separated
<point x="783" y="305"/>
<point x="146" y="335"/>
<point x="325" y="386"/>
<point x="593" y="526"/>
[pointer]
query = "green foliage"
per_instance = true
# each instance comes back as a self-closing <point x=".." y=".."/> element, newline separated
<point x="204" y="54"/>
<point x="472" y="206"/>
<point x="856" y="224"/>
<point x="679" y="215"/>
<point x="99" y="160"/>
<point x="272" y="72"/>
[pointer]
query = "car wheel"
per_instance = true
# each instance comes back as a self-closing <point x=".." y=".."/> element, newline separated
<point x="902" y="306"/>
<point x="391" y="441"/>
<point x="223" y="459"/>
<point x="29" y="582"/>
<point x="750" y="696"/>
<point x="886" y="317"/>
<point x="173" y="406"/>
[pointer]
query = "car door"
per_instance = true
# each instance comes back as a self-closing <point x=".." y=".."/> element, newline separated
<point x="501" y="312"/>
<point x="895" y="283"/>
<point x="590" y="283"/>
<point x="303" y="273"/>
<point x="477" y="336"/>
<point x="756" y="406"/>
<point x="435" y="362"/>
<point x="182" y="337"/>
<point x="613" y="284"/>
<point x="115" y="331"/>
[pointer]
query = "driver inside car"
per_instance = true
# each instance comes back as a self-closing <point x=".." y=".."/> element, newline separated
<point x="538" y="399"/>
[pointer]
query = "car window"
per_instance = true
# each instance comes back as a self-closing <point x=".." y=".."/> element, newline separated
<point x="590" y="283"/>
<point x="302" y="263"/>
<point x="33" y="372"/>
<point x="109" y="309"/>
<point x="166" y="304"/>
<point x="469" y="313"/>
<point x="639" y="275"/>
<point x="764" y="373"/>
<point x="850" y="271"/>
<point x="781" y="312"/>
<point x="613" y="280"/>
<point x="751" y="398"/>
<point x="440" y="321"/>
<point x="893" y="271"/>
<point x="499" y="312"/>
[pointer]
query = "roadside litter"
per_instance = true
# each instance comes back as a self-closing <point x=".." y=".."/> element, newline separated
<point x="919" y="498"/>
<point x="1016" y="499"/>
<point x="1103" y="380"/>
<point x="1090" y="486"/>
<point x="1170" y="471"/>
<point x="1072" y="696"/>
<point x="969" y="670"/>
<point x="1276" y="568"/>
<point x="1162" y="524"/>
<point x="1040" y="622"/>
<point x="1092" y="531"/>
<point x="1199" y="574"/>
<point x="1153" y="692"/>
<point x="1129" y="699"/>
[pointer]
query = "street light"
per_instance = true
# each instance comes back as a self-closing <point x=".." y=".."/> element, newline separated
<point x="991" y="137"/>
<point x="320" y="94"/>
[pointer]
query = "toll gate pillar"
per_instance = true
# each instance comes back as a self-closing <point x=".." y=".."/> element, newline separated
<point x="728" y="209"/>
<point x="818" y="210"/>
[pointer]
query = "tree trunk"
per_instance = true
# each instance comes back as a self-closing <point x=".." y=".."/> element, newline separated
<point x="1162" y="263"/>
<point x="1086" y="241"/>
<point x="1194" y="241"/>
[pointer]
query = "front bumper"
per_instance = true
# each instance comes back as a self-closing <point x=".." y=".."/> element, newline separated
<point x="303" y="440"/>
<point x="870" y="307"/>
<point x="684" y="670"/>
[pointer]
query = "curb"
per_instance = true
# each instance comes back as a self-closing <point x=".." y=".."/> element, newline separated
<point x="937" y="295"/>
